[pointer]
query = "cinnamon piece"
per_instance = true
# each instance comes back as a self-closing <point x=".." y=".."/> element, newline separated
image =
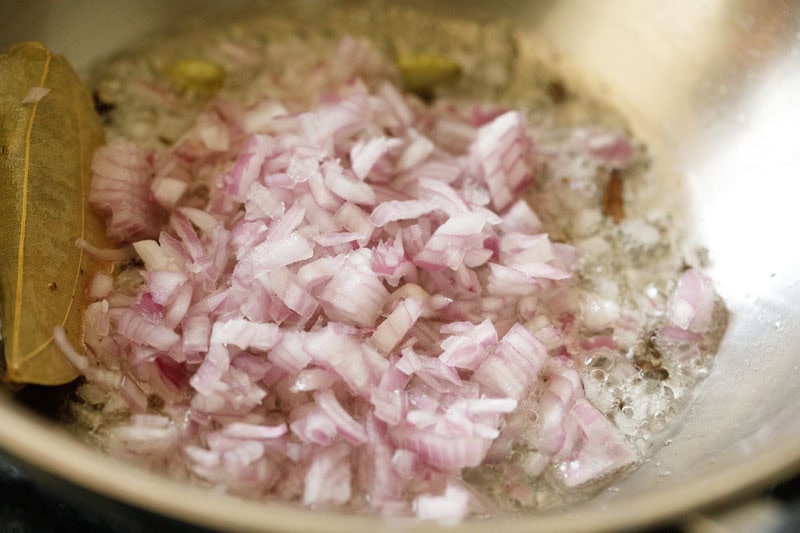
<point x="612" y="198"/>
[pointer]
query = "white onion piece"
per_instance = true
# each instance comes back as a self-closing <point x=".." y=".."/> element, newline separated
<point x="81" y="362"/>
<point x="100" y="287"/>
<point x="603" y="450"/>
<point x="448" y="508"/>
<point x="328" y="480"/>
<point x="692" y="303"/>
<point x="241" y="430"/>
<point x="392" y="330"/>
<point x="502" y="153"/>
<point x="245" y="334"/>
<point x="111" y="255"/>
<point x="35" y="94"/>
<point x="120" y="190"/>
<point x="365" y="154"/>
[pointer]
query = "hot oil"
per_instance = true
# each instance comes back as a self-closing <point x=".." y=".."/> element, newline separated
<point x="644" y="385"/>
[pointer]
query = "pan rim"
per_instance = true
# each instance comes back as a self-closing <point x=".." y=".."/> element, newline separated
<point x="53" y="450"/>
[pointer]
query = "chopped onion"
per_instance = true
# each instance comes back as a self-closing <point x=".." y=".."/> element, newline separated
<point x="35" y="94"/>
<point x="356" y="311"/>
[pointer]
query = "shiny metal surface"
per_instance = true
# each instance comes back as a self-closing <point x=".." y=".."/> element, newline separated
<point x="713" y="87"/>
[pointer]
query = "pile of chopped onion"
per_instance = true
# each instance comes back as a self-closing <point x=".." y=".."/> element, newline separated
<point x="342" y="301"/>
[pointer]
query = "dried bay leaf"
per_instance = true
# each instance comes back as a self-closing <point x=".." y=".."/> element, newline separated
<point x="46" y="150"/>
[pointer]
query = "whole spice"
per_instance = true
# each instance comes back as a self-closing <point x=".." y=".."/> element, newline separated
<point x="49" y="129"/>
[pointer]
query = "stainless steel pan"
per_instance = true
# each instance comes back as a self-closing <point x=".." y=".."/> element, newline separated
<point x="713" y="87"/>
